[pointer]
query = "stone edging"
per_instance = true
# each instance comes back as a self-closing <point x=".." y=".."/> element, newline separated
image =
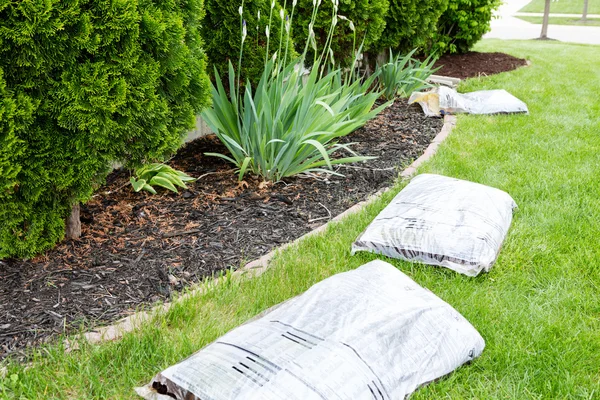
<point x="259" y="266"/>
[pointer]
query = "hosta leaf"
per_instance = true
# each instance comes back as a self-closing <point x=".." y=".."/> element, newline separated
<point x="149" y="188"/>
<point x="137" y="184"/>
<point x="163" y="182"/>
<point x="173" y="178"/>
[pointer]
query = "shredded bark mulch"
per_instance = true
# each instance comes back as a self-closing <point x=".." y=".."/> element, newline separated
<point x="137" y="249"/>
<point x="474" y="64"/>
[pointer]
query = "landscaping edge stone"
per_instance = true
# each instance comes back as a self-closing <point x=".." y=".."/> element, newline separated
<point x="259" y="266"/>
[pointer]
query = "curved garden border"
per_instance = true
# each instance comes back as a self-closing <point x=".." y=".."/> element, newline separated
<point x="259" y="266"/>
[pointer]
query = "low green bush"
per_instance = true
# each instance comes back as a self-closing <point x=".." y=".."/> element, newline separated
<point x="463" y="24"/>
<point x="364" y="20"/>
<point x="410" y="24"/>
<point x="159" y="174"/>
<point x="87" y="83"/>
<point x="221" y="31"/>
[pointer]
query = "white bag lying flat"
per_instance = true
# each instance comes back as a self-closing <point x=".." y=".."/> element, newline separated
<point x="371" y="333"/>
<point x="444" y="100"/>
<point x="442" y="221"/>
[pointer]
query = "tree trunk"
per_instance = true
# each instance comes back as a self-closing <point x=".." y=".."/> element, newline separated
<point x="73" y="228"/>
<point x="585" y="10"/>
<point x="544" y="34"/>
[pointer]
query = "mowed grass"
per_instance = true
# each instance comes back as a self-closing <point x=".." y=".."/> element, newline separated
<point x="538" y="309"/>
<point x="563" y="7"/>
<point x="562" y="21"/>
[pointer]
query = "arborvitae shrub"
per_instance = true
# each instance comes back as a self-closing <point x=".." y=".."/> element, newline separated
<point x="463" y="24"/>
<point x="368" y="17"/>
<point x="15" y="117"/>
<point x="87" y="83"/>
<point x="410" y="24"/>
<point x="222" y="36"/>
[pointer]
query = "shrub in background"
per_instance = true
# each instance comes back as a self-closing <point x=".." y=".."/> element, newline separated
<point x="365" y="20"/>
<point x="463" y="24"/>
<point x="107" y="80"/>
<point x="221" y="32"/>
<point x="410" y="24"/>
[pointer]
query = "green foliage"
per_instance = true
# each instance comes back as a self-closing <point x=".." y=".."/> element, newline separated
<point x="410" y="24"/>
<point x="158" y="174"/>
<point x="463" y="24"/>
<point x="401" y="76"/>
<point x="87" y="83"/>
<point x="290" y="123"/>
<point x="367" y="17"/>
<point x="221" y="31"/>
<point x="15" y="118"/>
<point x="289" y="126"/>
<point x="540" y="314"/>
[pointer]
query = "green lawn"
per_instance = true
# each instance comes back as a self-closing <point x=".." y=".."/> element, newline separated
<point x="563" y="7"/>
<point x="563" y="21"/>
<point x="538" y="309"/>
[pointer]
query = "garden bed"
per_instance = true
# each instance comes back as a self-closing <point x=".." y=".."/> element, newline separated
<point x="474" y="64"/>
<point x="137" y="249"/>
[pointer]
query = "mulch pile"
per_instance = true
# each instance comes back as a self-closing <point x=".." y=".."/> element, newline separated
<point x="137" y="248"/>
<point x="474" y="64"/>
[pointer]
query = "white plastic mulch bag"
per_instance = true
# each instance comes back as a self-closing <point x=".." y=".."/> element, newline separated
<point x="443" y="100"/>
<point x="371" y="333"/>
<point x="442" y="221"/>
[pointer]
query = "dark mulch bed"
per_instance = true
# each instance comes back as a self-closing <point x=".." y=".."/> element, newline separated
<point x="137" y="249"/>
<point x="474" y="64"/>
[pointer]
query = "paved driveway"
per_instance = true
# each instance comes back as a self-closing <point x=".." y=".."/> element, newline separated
<point x="509" y="27"/>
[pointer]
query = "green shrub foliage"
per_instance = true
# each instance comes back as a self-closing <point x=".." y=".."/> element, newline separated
<point x="86" y="83"/>
<point x="463" y="24"/>
<point x="367" y="17"/>
<point x="15" y="118"/>
<point x="410" y="24"/>
<point x="222" y="34"/>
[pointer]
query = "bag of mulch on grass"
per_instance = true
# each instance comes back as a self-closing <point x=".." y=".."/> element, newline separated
<point x="443" y="100"/>
<point x="442" y="221"/>
<point x="371" y="333"/>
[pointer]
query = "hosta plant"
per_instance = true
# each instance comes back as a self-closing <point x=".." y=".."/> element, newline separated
<point x="403" y="75"/>
<point x="158" y="174"/>
<point x="289" y="125"/>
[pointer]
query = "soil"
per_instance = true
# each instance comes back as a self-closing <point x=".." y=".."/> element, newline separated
<point x="474" y="64"/>
<point x="137" y="249"/>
